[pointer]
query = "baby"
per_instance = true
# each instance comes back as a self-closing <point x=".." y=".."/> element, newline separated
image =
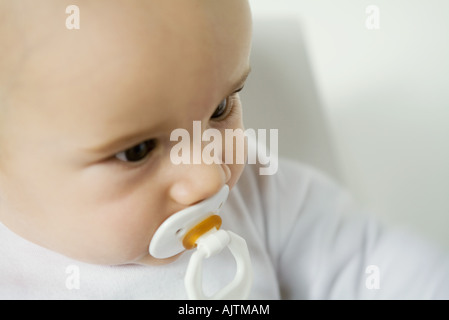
<point x="86" y="176"/>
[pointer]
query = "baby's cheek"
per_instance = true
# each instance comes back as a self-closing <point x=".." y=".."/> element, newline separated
<point x="128" y="231"/>
<point x="239" y="150"/>
<point x="236" y="172"/>
<point x="117" y="232"/>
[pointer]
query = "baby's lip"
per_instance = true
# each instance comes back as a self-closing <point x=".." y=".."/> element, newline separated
<point x="167" y="240"/>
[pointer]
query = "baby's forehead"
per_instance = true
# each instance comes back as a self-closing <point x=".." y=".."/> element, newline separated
<point x="37" y="39"/>
<point x="170" y="31"/>
<point x="128" y="55"/>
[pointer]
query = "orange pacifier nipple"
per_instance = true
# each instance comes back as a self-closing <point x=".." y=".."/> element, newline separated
<point x="198" y="227"/>
<point x="189" y="241"/>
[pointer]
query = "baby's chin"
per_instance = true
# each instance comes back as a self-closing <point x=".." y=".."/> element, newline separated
<point x="145" y="259"/>
<point x="149" y="260"/>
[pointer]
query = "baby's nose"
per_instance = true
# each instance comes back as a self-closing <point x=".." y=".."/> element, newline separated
<point x="197" y="182"/>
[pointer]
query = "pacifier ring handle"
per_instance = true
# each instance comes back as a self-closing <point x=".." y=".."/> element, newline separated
<point x="210" y="245"/>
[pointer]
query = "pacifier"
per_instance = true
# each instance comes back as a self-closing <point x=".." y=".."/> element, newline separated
<point x="198" y="227"/>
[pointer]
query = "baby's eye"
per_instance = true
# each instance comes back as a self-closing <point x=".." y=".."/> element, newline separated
<point x="138" y="152"/>
<point x="221" y="109"/>
<point x="225" y="107"/>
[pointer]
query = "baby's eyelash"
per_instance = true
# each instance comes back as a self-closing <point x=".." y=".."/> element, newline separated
<point x="137" y="153"/>
<point x="226" y="106"/>
<point x="238" y="90"/>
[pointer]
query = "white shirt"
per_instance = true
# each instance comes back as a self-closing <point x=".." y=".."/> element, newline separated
<point x="306" y="239"/>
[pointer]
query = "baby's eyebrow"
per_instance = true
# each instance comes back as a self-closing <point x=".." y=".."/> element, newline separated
<point x="117" y="144"/>
<point x="241" y="81"/>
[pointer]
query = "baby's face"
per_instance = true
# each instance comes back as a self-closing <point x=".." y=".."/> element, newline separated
<point x="85" y="167"/>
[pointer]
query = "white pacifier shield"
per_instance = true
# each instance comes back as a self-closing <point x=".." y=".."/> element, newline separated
<point x="167" y="240"/>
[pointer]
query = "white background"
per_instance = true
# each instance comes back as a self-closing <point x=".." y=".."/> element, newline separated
<point x="385" y="98"/>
